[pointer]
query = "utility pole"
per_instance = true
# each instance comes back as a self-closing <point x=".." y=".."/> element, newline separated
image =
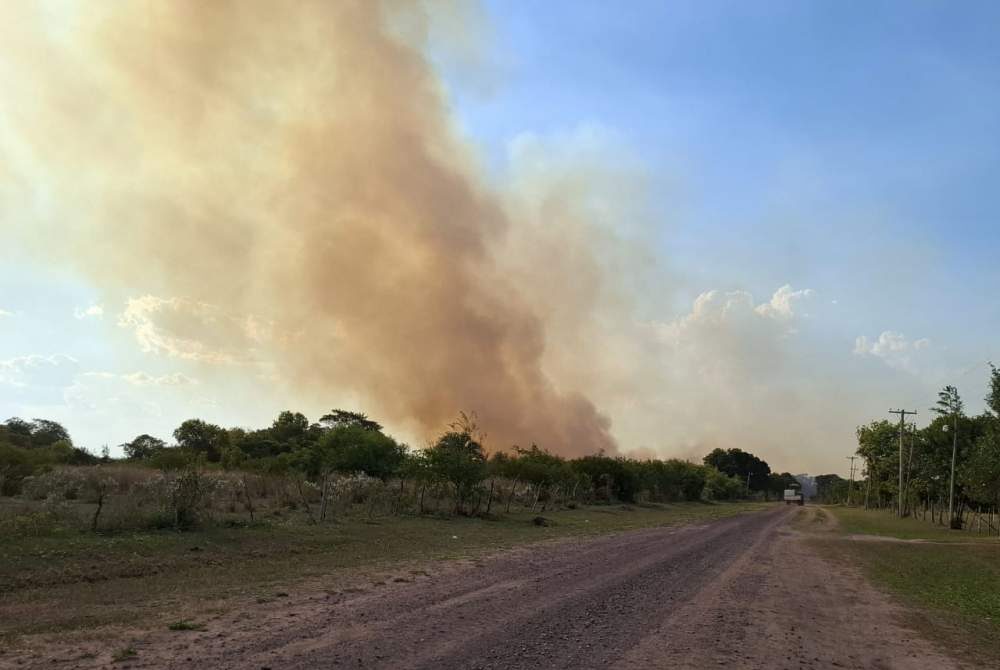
<point x="902" y="429"/>
<point x="850" y="484"/>
<point x="951" y="486"/>
<point x="748" y="485"/>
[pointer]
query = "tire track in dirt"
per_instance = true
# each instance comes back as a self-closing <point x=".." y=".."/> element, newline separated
<point x="741" y="592"/>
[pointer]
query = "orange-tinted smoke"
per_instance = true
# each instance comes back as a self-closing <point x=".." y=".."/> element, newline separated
<point x="294" y="162"/>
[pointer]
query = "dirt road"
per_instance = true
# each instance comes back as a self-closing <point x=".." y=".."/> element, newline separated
<point x="743" y="592"/>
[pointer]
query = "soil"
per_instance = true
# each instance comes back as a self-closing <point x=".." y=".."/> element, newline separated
<point x="742" y="592"/>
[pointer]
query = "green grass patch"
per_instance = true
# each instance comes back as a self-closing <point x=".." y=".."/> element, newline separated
<point x="953" y="579"/>
<point x="184" y="624"/>
<point x="858" y="521"/>
<point x="77" y="581"/>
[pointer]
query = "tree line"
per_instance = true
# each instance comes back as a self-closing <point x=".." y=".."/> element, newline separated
<point x="951" y="463"/>
<point x="315" y="457"/>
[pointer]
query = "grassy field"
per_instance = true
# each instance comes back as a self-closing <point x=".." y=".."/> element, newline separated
<point x="80" y="581"/>
<point x="952" y="578"/>
<point x="855" y="520"/>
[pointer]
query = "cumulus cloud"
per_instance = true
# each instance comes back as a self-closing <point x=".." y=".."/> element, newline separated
<point x="783" y="303"/>
<point x="893" y="348"/>
<point x="193" y="330"/>
<point x="93" y="311"/>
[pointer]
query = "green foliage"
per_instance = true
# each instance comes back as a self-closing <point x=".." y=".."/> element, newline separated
<point x="458" y="459"/>
<point x="741" y="464"/>
<point x="607" y="478"/>
<point x="343" y="418"/>
<point x="29" y="448"/>
<point x="979" y="473"/>
<point x="143" y="447"/>
<point x="203" y="438"/>
<point x="353" y="448"/>
<point x="949" y="402"/>
<point x="993" y="396"/>
<point x="832" y="489"/>
<point x="720" y="486"/>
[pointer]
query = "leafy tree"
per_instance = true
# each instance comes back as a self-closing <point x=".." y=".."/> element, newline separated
<point x="608" y="478"/>
<point x="341" y="417"/>
<point x="290" y="427"/>
<point x="720" y="486"/>
<point x="980" y="473"/>
<point x="459" y="460"/>
<point x="878" y="445"/>
<point x="740" y="464"/>
<point x="831" y="488"/>
<point x="354" y="448"/>
<point x="203" y="438"/>
<point x="15" y="465"/>
<point x="45" y="432"/>
<point x="993" y="397"/>
<point x="143" y="447"/>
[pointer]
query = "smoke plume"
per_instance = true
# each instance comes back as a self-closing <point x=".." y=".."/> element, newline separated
<point x="281" y="182"/>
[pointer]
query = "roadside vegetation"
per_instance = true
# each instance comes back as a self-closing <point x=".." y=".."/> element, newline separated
<point x="90" y="540"/>
<point x="953" y="464"/>
<point x="344" y="465"/>
<point x="950" y="580"/>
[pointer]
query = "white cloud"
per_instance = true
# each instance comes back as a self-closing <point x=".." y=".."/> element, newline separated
<point x="173" y="379"/>
<point x="783" y="303"/>
<point x="94" y="311"/>
<point x="193" y="330"/>
<point x="36" y="369"/>
<point x="893" y="348"/>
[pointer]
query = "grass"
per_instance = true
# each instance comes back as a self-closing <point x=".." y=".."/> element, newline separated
<point x="79" y="581"/>
<point x="861" y="522"/>
<point x="184" y="625"/>
<point x="952" y="578"/>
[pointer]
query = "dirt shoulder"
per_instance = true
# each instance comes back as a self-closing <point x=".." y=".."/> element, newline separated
<point x="745" y="591"/>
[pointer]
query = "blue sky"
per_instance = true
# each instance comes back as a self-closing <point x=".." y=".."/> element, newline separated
<point x="847" y="149"/>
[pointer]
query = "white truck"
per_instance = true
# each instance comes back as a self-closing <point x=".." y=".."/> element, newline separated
<point x="793" y="497"/>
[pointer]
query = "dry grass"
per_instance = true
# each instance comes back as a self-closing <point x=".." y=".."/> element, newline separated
<point x="79" y="581"/>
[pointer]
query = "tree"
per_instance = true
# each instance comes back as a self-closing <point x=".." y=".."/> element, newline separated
<point x="742" y="465"/>
<point x="143" y="447"/>
<point x="341" y="417"/>
<point x="290" y="427"/>
<point x="831" y="488"/>
<point x="45" y="432"/>
<point x="719" y="486"/>
<point x="203" y="438"/>
<point x="950" y="404"/>
<point x="980" y="473"/>
<point x="993" y="397"/>
<point x="459" y="460"/>
<point x="878" y="443"/>
<point x="353" y="448"/>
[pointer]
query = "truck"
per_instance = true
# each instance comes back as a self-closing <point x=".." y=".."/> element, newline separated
<point x="793" y="497"/>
